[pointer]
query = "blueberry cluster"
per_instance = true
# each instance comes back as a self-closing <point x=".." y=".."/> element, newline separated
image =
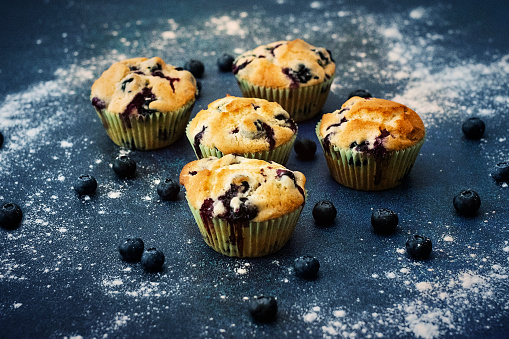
<point x="298" y="76"/>
<point x="133" y="250"/>
<point x="140" y="105"/>
<point x="243" y="213"/>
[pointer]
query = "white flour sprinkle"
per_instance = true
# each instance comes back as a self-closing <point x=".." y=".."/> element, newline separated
<point x="227" y="25"/>
<point x="423" y="286"/>
<point x="114" y="194"/>
<point x="310" y="317"/>
<point x="438" y="299"/>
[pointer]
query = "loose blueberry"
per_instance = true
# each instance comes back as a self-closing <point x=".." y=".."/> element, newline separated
<point x="324" y="212"/>
<point x="196" y="67"/>
<point x="473" y="128"/>
<point x="131" y="249"/>
<point x="152" y="260"/>
<point x="384" y="221"/>
<point x="168" y="189"/>
<point x="124" y="166"/>
<point x="467" y="202"/>
<point x="225" y="62"/>
<point x="263" y="309"/>
<point x="305" y="148"/>
<point x="10" y="216"/>
<point x="360" y="93"/>
<point x="419" y="247"/>
<point x="306" y="267"/>
<point x="85" y="185"/>
<point x="501" y="172"/>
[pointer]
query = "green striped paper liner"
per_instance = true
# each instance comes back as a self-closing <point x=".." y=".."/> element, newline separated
<point x="257" y="238"/>
<point x="148" y="132"/>
<point x="279" y="154"/>
<point x="302" y="103"/>
<point x="363" y="171"/>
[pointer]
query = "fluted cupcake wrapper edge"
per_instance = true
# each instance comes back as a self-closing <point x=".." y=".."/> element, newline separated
<point x="248" y="239"/>
<point x="279" y="154"/>
<point x="364" y="171"/>
<point x="302" y="103"/>
<point x="148" y="132"/>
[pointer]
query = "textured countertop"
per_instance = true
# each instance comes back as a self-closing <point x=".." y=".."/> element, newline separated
<point x="60" y="272"/>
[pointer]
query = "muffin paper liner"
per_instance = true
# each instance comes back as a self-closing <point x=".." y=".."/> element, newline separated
<point x="247" y="239"/>
<point x="279" y="154"/>
<point x="148" y="132"/>
<point x="363" y="171"/>
<point x="301" y="103"/>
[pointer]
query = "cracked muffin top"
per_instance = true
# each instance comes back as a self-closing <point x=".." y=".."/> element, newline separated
<point x="239" y="189"/>
<point x="143" y="86"/>
<point x="242" y="125"/>
<point x="372" y="125"/>
<point x="285" y="64"/>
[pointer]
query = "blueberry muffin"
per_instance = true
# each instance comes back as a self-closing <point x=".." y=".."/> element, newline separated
<point x="243" y="207"/>
<point x="371" y="144"/>
<point x="293" y="73"/>
<point x="144" y="104"/>
<point x="251" y="127"/>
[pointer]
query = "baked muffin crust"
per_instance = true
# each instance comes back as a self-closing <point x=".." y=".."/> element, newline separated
<point x="241" y="189"/>
<point x="242" y="125"/>
<point x="142" y="86"/>
<point x="285" y="64"/>
<point x="372" y="125"/>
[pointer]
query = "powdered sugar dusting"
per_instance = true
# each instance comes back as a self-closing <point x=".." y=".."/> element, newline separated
<point x="65" y="239"/>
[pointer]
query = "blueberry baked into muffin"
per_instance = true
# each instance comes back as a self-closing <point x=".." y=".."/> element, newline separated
<point x="371" y="144"/>
<point x="243" y="207"/>
<point x="144" y="104"/>
<point x="251" y="127"/>
<point x="293" y="73"/>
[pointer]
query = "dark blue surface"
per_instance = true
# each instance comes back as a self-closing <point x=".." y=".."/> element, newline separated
<point x="60" y="272"/>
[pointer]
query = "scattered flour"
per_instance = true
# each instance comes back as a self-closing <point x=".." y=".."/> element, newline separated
<point x="438" y="300"/>
<point x="310" y="317"/>
<point x="228" y="26"/>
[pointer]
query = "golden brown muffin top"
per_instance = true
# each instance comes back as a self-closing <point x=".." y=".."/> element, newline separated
<point x="285" y="64"/>
<point x="235" y="188"/>
<point x="242" y="125"/>
<point x="371" y="125"/>
<point x="142" y="86"/>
